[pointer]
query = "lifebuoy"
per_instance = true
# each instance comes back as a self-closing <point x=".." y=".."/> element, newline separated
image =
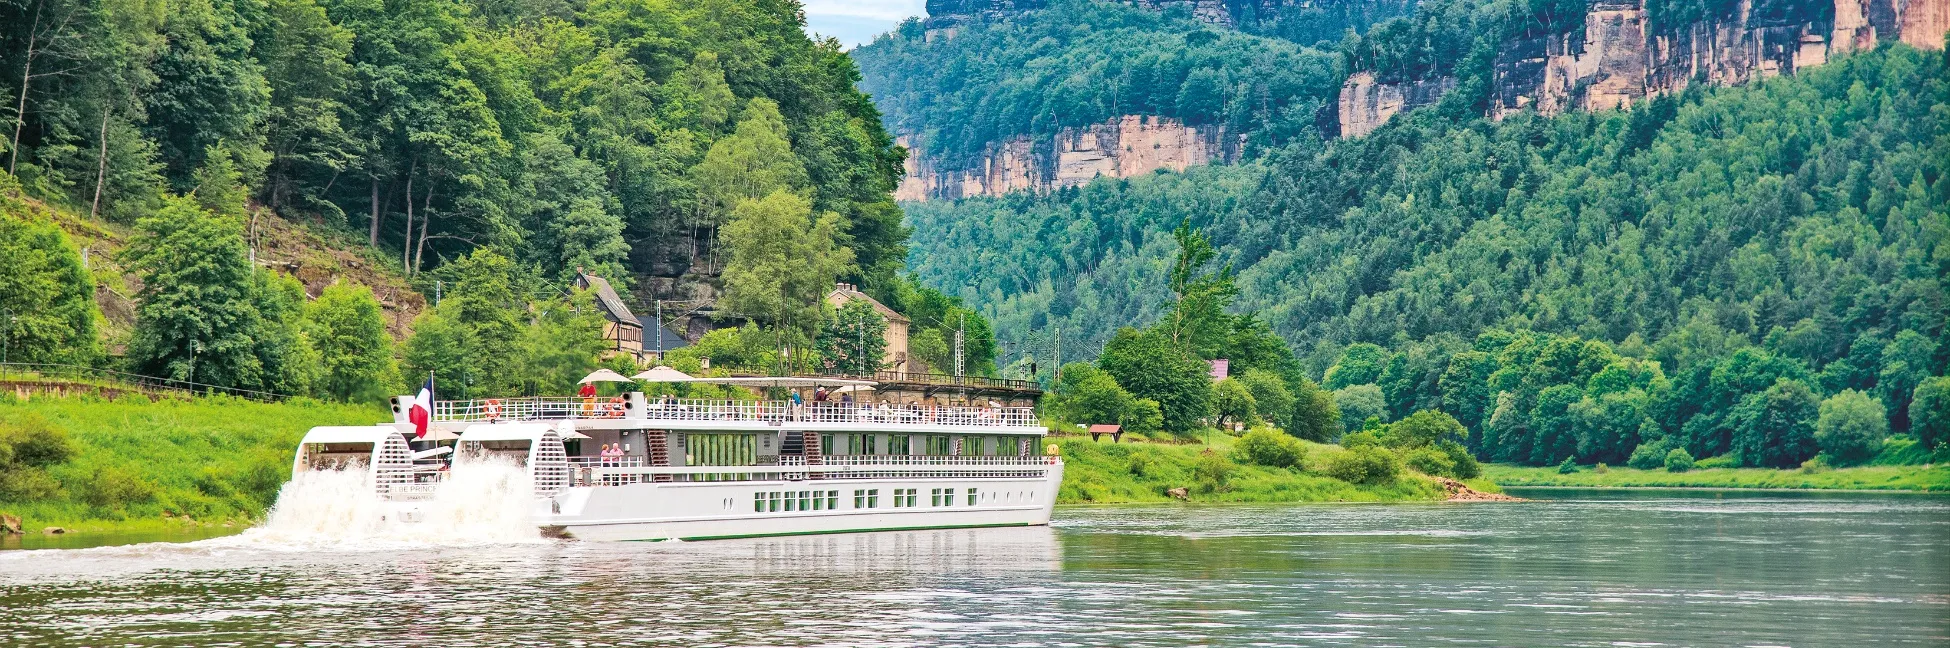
<point x="493" y="408"/>
<point x="615" y="407"/>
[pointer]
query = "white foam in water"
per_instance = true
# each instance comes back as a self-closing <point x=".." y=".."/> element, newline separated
<point x="480" y="502"/>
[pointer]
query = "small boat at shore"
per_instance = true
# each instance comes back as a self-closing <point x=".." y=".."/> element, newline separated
<point x="702" y="469"/>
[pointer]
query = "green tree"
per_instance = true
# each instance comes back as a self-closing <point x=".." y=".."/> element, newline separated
<point x="1265" y="447"/>
<point x="47" y="298"/>
<point x="196" y="319"/>
<point x="1316" y="417"/>
<point x="1358" y="403"/>
<point x="1929" y="412"/>
<point x="1150" y="365"/>
<point x="1776" y="428"/>
<point x="1231" y="401"/>
<point x="1850" y="427"/>
<point x="1425" y="428"/>
<point x="1272" y="400"/>
<point x="752" y="163"/>
<point x="783" y="261"/>
<point x="348" y="330"/>
<point x="562" y="344"/>
<point x="1905" y="364"/>
<point x="853" y="341"/>
<point x="1360" y="364"/>
<point x="1198" y="319"/>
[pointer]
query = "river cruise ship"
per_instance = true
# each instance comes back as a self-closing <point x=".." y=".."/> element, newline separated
<point x="699" y="469"/>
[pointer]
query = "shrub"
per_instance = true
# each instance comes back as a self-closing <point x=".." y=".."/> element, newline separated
<point x="1679" y="460"/>
<point x="1362" y="438"/>
<point x="1466" y="466"/>
<point x="114" y="487"/>
<point x="30" y="440"/>
<point x="1430" y="461"/>
<point x="1213" y="472"/>
<point x="1266" y="447"/>
<point x="1138" y="464"/>
<point x="1815" y="465"/>
<point x="1648" y="456"/>
<point x="1568" y="466"/>
<point x="1363" y="465"/>
<point x="1721" y="461"/>
<point x="1601" y="468"/>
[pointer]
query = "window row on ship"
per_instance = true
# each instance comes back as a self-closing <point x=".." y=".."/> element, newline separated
<point x="869" y="498"/>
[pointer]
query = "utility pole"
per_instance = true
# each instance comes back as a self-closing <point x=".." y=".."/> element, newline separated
<point x="1059" y="352"/>
<point x="437" y="286"/>
<point x="660" y="331"/>
<point x="958" y="354"/>
<point x="8" y="347"/>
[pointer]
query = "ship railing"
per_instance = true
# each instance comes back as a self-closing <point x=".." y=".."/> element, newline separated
<point x="831" y="468"/>
<point x="773" y="412"/>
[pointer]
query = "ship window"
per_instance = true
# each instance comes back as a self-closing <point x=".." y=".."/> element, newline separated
<point x="805" y="500"/>
<point x="829" y="444"/>
<point x="971" y="497"/>
<point x="897" y="444"/>
<point x="819" y="503"/>
<point x="758" y="502"/>
<point x="906" y="497"/>
<point x="939" y="446"/>
<point x="790" y="503"/>
<point x="861" y="444"/>
<point x="832" y="500"/>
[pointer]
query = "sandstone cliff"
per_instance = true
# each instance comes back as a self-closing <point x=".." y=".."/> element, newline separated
<point x="1124" y="147"/>
<point x="1621" y="57"/>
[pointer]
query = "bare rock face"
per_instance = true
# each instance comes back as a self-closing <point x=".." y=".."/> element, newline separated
<point x="1120" y="148"/>
<point x="1366" y="104"/>
<point x="1623" y="56"/>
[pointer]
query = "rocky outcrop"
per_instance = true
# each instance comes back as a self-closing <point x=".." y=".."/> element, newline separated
<point x="1623" y="56"/>
<point x="1120" y="148"/>
<point x="1366" y="104"/>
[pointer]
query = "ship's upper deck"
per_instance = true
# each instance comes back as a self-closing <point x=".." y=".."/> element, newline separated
<point x="635" y="411"/>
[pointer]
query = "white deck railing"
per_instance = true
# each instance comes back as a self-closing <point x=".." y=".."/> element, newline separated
<point x="831" y="468"/>
<point x="557" y="408"/>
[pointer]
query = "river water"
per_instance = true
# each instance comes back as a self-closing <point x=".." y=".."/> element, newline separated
<point x="1576" y="568"/>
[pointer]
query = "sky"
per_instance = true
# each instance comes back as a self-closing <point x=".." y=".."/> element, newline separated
<point x="855" y="22"/>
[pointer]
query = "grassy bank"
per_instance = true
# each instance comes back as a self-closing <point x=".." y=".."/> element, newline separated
<point x="1913" y="478"/>
<point x="1131" y="472"/>
<point x="210" y="460"/>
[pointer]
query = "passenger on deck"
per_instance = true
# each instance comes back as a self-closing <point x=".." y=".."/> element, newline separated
<point x="588" y="394"/>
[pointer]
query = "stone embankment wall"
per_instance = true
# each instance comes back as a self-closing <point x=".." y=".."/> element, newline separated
<point x="1120" y="148"/>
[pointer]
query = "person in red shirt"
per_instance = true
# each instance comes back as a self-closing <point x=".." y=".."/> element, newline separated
<point x="588" y="394"/>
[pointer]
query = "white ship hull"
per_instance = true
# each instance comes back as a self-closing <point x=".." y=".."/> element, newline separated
<point x="713" y="510"/>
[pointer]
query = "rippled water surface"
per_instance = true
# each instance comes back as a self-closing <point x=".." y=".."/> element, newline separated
<point x="1581" y="569"/>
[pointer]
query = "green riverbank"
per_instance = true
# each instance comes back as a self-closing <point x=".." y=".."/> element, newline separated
<point x="138" y="466"/>
<point x="1101" y="472"/>
<point x="1934" y="478"/>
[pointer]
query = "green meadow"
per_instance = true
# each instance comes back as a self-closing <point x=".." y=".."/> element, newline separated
<point x="133" y="464"/>
<point x="1101" y="472"/>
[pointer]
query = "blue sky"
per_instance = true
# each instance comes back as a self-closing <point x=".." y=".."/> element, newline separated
<point x="857" y="21"/>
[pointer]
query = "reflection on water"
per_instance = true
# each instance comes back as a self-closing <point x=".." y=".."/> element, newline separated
<point x="1584" y="570"/>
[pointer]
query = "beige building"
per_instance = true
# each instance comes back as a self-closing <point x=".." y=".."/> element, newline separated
<point x="896" y="335"/>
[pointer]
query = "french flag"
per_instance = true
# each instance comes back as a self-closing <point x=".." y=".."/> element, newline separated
<point x="420" y="411"/>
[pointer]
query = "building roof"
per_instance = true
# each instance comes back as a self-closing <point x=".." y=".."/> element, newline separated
<point x="671" y="340"/>
<point x="846" y="292"/>
<point x="612" y="305"/>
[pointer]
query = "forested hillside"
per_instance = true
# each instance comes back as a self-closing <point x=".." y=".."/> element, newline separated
<point x="615" y="134"/>
<point x="485" y="151"/>
<point x="1791" y="230"/>
<point x="1080" y="62"/>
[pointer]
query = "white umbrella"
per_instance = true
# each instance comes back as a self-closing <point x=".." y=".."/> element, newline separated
<point x="853" y="388"/>
<point x="662" y="373"/>
<point x="567" y="432"/>
<point x="603" y="375"/>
